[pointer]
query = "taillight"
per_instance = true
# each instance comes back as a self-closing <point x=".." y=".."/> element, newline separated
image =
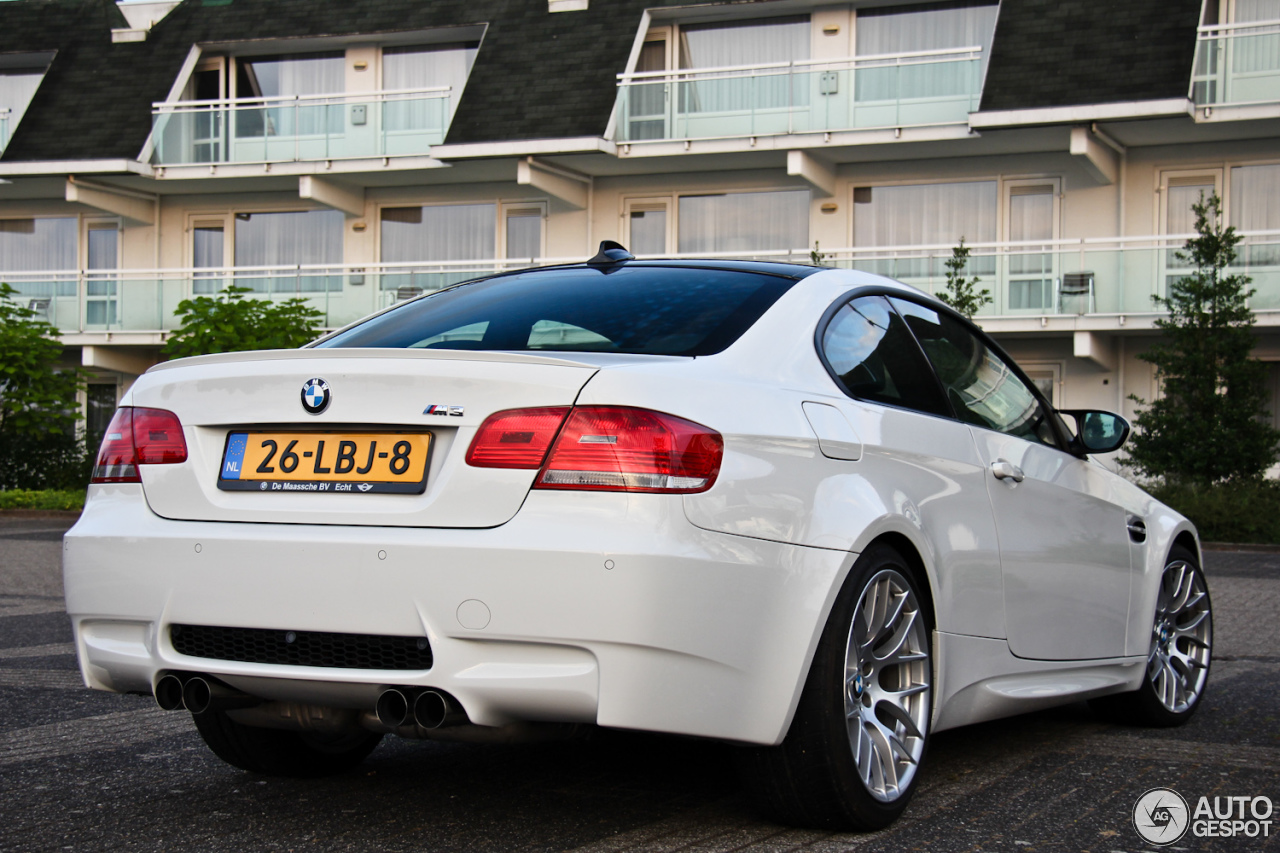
<point x="138" y="437"/>
<point x="608" y="448"/>
<point x="517" y="438"/>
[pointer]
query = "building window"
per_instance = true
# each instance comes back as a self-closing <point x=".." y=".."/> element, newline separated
<point x="647" y="227"/>
<point x="304" y="237"/>
<point x="932" y="26"/>
<point x="287" y="86"/>
<point x="776" y="40"/>
<point x="743" y="223"/>
<point x="39" y="246"/>
<point x="425" y="67"/>
<point x="20" y="76"/>
<point x="1255" y="206"/>
<point x="102" y="282"/>
<point x="925" y="215"/>
<point x="436" y="233"/>
<point x="1031" y="273"/>
<point x="911" y="29"/>
<point x="523" y="231"/>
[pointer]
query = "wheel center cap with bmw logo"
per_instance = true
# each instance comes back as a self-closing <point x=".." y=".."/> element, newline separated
<point x="315" y="396"/>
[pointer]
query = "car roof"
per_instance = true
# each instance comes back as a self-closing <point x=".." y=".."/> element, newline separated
<point x="788" y="270"/>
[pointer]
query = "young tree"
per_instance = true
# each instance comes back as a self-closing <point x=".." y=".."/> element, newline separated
<point x="39" y="447"/>
<point x="1207" y="426"/>
<point x="229" y="322"/>
<point x="960" y="292"/>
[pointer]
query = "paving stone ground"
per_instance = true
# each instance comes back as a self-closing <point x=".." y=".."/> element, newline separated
<point x="81" y="770"/>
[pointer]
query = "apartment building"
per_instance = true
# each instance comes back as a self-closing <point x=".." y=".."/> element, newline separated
<point x="359" y="153"/>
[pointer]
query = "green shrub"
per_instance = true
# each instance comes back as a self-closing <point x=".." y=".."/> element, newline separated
<point x="42" y="499"/>
<point x="1240" y="511"/>
<point x="50" y="461"/>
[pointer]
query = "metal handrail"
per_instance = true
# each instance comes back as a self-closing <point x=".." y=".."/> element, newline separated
<point x="949" y="54"/>
<point x="1229" y="29"/>
<point x="1156" y="242"/>
<point x="258" y="102"/>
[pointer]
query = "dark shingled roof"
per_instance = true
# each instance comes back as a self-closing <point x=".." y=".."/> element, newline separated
<point x="538" y="74"/>
<point x="1055" y="53"/>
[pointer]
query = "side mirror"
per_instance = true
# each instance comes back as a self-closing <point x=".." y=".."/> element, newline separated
<point x="1097" y="432"/>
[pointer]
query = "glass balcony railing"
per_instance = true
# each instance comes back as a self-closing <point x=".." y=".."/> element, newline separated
<point x="1092" y="276"/>
<point x="1237" y="64"/>
<point x="898" y="90"/>
<point x="4" y="128"/>
<point x="295" y="128"/>
<point x="146" y="300"/>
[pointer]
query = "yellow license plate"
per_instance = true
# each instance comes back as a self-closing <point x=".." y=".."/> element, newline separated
<point x="355" y="463"/>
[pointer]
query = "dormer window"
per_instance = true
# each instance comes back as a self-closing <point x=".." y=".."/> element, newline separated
<point x="20" y="76"/>
<point x="251" y="103"/>
<point x="839" y="69"/>
<point x="415" y="68"/>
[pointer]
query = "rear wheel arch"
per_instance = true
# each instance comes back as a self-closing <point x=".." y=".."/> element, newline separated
<point x="910" y="555"/>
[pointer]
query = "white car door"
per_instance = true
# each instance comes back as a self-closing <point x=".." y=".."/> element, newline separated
<point x="916" y="459"/>
<point x="1064" y="544"/>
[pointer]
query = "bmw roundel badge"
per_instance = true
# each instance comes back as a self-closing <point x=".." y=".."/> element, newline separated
<point x="315" y="396"/>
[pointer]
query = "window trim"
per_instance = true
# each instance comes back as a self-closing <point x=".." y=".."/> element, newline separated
<point x="1059" y="429"/>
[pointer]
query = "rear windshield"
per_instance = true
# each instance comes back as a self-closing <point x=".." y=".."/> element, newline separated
<point x="628" y="309"/>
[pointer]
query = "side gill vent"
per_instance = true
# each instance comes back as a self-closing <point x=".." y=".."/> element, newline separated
<point x="1137" y="529"/>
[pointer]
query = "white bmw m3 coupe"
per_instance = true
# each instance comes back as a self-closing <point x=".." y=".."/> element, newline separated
<point x="811" y="512"/>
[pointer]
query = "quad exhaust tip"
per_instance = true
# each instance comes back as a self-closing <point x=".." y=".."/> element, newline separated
<point x="169" y="693"/>
<point x="428" y="709"/>
<point x="199" y="694"/>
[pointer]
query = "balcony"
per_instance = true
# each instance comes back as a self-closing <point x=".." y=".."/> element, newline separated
<point x="95" y="301"/>
<point x="813" y="96"/>
<point x="1108" y="276"/>
<point x="5" y="112"/>
<point x="301" y="128"/>
<point x="1237" y="65"/>
<point x="1100" y="277"/>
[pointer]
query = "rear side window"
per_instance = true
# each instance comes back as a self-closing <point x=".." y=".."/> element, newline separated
<point x="874" y="357"/>
<point x="626" y="309"/>
<point x="983" y="389"/>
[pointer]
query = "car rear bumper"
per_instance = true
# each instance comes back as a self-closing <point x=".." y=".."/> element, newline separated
<point x="605" y="608"/>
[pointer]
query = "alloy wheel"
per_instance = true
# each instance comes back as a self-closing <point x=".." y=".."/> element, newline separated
<point x="887" y="682"/>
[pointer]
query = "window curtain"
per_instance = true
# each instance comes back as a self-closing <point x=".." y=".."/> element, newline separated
<point x="1181" y="193"/>
<point x="1030" y="271"/>
<point x="284" y="76"/>
<point x="31" y="245"/>
<point x="925" y="214"/>
<point x="425" y="67"/>
<point x="1255" y="206"/>
<point x="648" y="232"/>
<point x="447" y="232"/>
<point x="286" y="239"/>
<point x="206" y="253"/>
<point x="744" y="222"/>
<point x="524" y="235"/>
<point x="907" y="29"/>
<point x="1179" y="218"/>
<point x="744" y="43"/>
<point x="1257" y="10"/>
<point x="1260" y="52"/>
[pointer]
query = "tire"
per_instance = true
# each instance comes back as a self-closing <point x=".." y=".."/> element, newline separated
<point x="273" y="752"/>
<point x="1180" y="654"/>
<point x="838" y="767"/>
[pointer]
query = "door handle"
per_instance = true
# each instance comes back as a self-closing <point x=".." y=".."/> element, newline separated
<point x="1006" y="470"/>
